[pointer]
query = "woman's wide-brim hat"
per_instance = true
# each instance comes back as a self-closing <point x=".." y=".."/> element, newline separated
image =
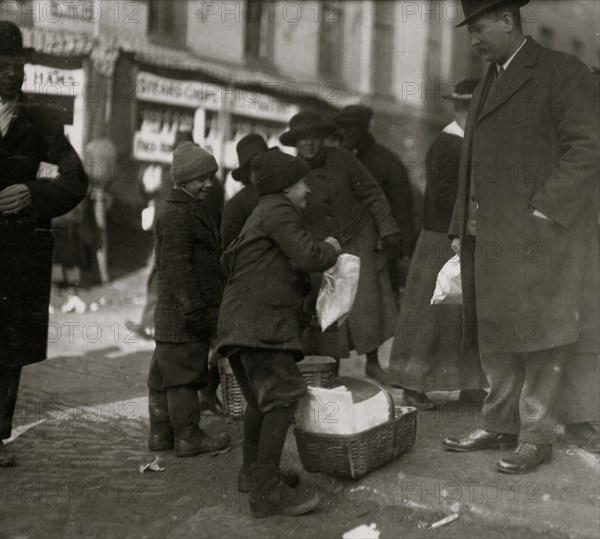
<point x="473" y="9"/>
<point x="463" y="91"/>
<point x="303" y="123"/>
<point x="248" y="147"/>
<point x="11" y="42"/>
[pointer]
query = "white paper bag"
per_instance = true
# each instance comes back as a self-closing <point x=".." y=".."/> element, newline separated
<point x="338" y="291"/>
<point x="448" y="288"/>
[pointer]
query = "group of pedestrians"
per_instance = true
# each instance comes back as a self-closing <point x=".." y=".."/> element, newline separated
<point x="296" y="214"/>
<point x="512" y="188"/>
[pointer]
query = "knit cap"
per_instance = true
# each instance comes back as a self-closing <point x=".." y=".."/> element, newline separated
<point x="191" y="162"/>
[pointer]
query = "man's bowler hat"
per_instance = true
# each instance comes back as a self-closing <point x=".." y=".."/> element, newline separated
<point x="11" y="41"/>
<point x="473" y="9"/>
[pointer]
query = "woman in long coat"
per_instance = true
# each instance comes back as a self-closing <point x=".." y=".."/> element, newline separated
<point x="426" y="354"/>
<point x="348" y="204"/>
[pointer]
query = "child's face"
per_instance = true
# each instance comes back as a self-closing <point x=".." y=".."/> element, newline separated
<point x="199" y="187"/>
<point x="298" y="193"/>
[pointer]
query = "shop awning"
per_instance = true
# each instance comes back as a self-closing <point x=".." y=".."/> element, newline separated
<point x="235" y="75"/>
<point x="104" y="49"/>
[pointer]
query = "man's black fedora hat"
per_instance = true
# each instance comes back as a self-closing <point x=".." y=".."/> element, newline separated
<point x="303" y="122"/>
<point x="247" y="147"/>
<point x="11" y="41"/>
<point x="473" y="9"/>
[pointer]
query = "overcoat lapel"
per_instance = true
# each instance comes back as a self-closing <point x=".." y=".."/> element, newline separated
<point x="20" y="126"/>
<point x="516" y="76"/>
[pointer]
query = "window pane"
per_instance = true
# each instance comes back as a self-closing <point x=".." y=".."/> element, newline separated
<point x="331" y="40"/>
<point x="383" y="50"/>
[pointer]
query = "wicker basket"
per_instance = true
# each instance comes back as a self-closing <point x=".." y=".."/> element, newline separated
<point x="233" y="401"/>
<point x="318" y="371"/>
<point x="355" y="455"/>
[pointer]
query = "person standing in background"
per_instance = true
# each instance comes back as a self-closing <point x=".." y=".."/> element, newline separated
<point x="352" y="126"/>
<point x="348" y="204"/>
<point x="426" y="353"/>
<point x="240" y="207"/>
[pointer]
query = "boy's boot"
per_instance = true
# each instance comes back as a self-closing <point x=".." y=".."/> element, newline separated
<point x="190" y="439"/>
<point x="250" y="452"/>
<point x="162" y="437"/>
<point x="269" y="494"/>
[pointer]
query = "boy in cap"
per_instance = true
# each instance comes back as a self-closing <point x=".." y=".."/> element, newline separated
<point x="259" y="326"/>
<point x="190" y="286"/>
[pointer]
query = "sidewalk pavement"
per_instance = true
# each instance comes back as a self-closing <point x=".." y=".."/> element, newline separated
<point x="81" y="437"/>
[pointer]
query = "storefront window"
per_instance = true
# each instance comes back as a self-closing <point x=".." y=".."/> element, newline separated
<point x="383" y="47"/>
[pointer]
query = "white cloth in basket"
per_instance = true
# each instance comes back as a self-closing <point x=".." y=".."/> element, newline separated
<point x="333" y="411"/>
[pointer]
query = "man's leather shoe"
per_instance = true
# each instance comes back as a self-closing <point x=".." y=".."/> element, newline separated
<point x="526" y="458"/>
<point x="480" y="439"/>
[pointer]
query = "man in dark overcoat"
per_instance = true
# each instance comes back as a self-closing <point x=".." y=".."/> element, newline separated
<point x="29" y="134"/>
<point x="353" y="128"/>
<point x="260" y="325"/>
<point x="525" y="226"/>
<point x="190" y="287"/>
<point x="348" y="204"/>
